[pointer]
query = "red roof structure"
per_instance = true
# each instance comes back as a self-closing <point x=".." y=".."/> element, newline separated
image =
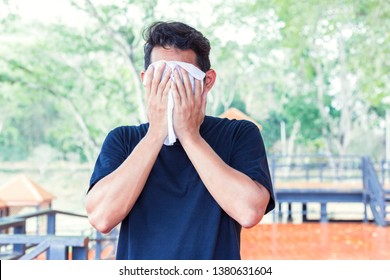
<point x="21" y="191"/>
<point x="234" y="113"/>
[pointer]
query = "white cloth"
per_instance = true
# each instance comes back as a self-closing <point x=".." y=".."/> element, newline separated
<point x="193" y="73"/>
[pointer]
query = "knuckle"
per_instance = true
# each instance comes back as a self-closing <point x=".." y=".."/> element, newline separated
<point x="161" y="87"/>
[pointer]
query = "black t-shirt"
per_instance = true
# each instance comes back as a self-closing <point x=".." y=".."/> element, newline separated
<point x="175" y="217"/>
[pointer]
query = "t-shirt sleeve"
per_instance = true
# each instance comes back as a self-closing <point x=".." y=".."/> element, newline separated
<point x="249" y="157"/>
<point x="112" y="155"/>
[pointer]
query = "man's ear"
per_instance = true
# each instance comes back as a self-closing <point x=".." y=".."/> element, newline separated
<point x="209" y="80"/>
<point x="142" y="75"/>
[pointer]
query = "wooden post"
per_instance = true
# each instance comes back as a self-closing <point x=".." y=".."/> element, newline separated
<point x="324" y="217"/>
<point x="51" y="223"/>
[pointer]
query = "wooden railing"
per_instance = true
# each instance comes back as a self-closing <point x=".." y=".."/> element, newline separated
<point x="315" y="167"/>
<point x="321" y="179"/>
<point x="20" y="245"/>
<point x="375" y="191"/>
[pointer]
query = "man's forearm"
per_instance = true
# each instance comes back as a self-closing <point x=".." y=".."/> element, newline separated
<point x="238" y="195"/>
<point x="113" y="197"/>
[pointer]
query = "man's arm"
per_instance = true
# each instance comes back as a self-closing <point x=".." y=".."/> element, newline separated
<point x="244" y="199"/>
<point x="113" y="197"/>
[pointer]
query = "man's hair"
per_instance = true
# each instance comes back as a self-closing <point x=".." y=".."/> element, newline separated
<point x="180" y="36"/>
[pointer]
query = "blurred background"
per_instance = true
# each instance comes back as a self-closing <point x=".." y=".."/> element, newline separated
<point x="314" y="74"/>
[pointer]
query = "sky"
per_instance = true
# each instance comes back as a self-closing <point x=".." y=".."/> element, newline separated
<point x="61" y="11"/>
<point x="47" y="11"/>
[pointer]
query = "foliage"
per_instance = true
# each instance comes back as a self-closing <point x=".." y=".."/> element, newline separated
<point x="321" y="67"/>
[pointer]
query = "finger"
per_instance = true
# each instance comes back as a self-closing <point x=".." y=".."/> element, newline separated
<point x="164" y="95"/>
<point x="148" y="76"/>
<point x="175" y="93"/>
<point x="167" y="76"/>
<point x="203" y="102"/>
<point x="157" y="76"/>
<point x="164" y="81"/>
<point x="148" y="82"/>
<point x="198" y="91"/>
<point x="186" y="82"/>
<point x="179" y="84"/>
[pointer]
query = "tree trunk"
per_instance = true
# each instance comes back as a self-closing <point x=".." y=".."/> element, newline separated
<point x="345" y="127"/>
<point x="321" y="107"/>
<point x="291" y="145"/>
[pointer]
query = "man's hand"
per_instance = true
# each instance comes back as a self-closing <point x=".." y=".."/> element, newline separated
<point x="190" y="107"/>
<point x="113" y="197"/>
<point x="157" y="88"/>
<point x="237" y="194"/>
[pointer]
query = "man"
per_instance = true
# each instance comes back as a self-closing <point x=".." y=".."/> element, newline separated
<point x="188" y="200"/>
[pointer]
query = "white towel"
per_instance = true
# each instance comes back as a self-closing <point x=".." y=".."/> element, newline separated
<point x="193" y="73"/>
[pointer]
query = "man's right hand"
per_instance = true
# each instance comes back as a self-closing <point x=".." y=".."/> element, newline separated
<point x="113" y="197"/>
<point x="157" y="87"/>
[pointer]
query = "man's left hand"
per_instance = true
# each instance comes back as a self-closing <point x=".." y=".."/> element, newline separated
<point x="190" y="106"/>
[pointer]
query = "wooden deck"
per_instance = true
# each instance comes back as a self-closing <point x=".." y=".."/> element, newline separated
<point x="308" y="241"/>
<point x="316" y="241"/>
